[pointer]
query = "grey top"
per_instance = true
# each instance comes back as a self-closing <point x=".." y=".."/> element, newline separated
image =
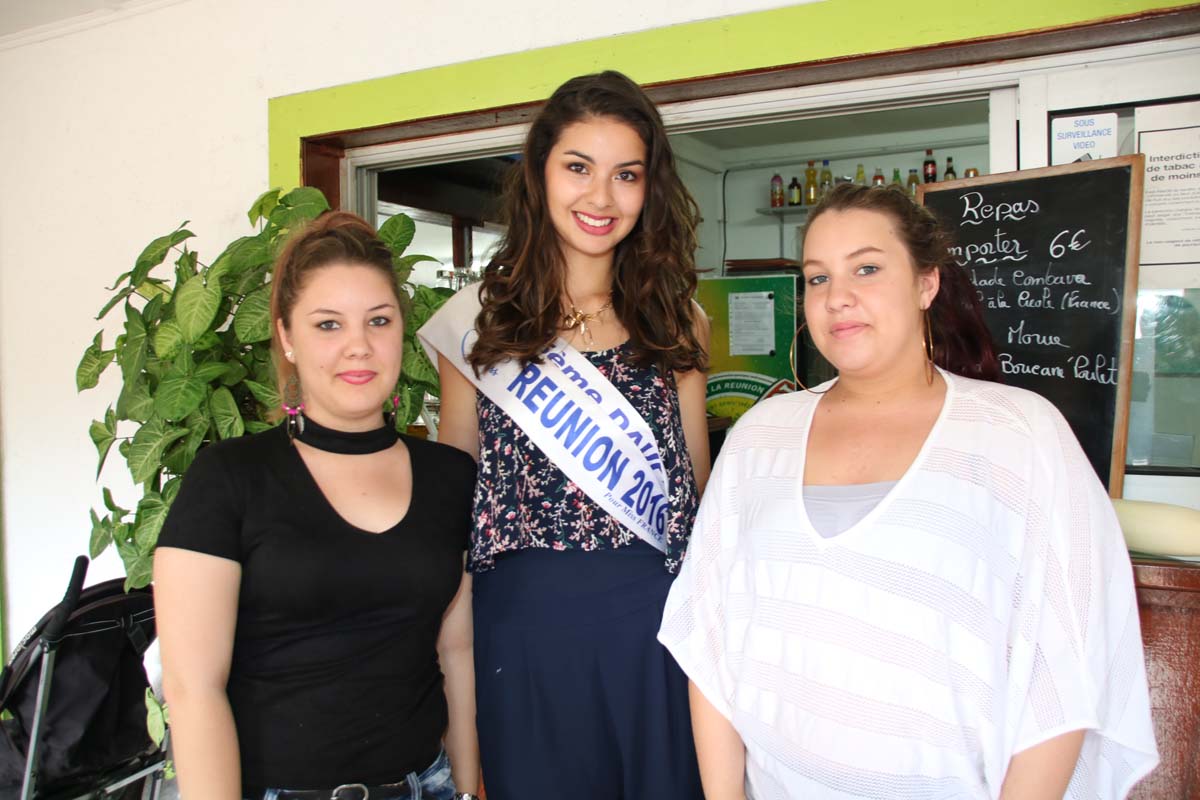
<point x="834" y="509"/>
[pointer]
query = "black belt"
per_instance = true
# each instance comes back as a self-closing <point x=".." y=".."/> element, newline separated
<point x="349" y="791"/>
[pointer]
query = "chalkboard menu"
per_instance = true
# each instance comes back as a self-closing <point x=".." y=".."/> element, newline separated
<point x="1053" y="255"/>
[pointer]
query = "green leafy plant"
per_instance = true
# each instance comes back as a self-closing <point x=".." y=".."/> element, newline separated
<point x="196" y="366"/>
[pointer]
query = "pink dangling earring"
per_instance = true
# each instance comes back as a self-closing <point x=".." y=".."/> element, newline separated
<point x="390" y="416"/>
<point x="293" y="406"/>
<point x="295" y="420"/>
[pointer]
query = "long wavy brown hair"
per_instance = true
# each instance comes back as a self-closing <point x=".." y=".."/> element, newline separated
<point x="654" y="266"/>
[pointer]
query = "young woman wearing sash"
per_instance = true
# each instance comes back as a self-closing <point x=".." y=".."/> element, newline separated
<point x="574" y="374"/>
<point x="907" y="582"/>
<point x="312" y="606"/>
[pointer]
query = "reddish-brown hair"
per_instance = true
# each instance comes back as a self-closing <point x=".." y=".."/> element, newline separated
<point x="962" y="343"/>
<point x="335" y="237"/>
<point x="654" y="267"/>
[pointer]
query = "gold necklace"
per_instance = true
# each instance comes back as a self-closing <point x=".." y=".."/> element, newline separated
<point x="580" y="319"/>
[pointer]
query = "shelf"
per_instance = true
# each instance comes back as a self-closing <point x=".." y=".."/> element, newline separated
<point x="784" y="211"/>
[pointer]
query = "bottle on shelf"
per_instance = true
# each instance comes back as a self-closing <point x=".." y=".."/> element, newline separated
<point x="914" y="180"/>
<point x="860" y="176"/>
<point x="795" y="192"/>
<point x="810" y="184"/>
<point x="896" y="181"/>
<point x="930" y="167"/>
<point x="949" y="174"/>
<point x="826" y="178"/>
<point x="971" y="173"/>
<point x="877" y="179"/>
<point x="776" y="191"/>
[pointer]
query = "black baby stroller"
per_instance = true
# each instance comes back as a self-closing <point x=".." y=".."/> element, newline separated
<point x="74" y="697"/>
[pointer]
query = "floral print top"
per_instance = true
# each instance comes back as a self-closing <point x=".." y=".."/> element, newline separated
<point x="522" y="500"/>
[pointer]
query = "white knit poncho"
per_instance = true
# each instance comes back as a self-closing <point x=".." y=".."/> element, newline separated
<point x="984" y="606"/>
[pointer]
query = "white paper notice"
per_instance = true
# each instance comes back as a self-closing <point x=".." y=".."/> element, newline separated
<point x="751" y="323"/>
<point x="1072" y="138"/>
<point x="1169" y="137"/>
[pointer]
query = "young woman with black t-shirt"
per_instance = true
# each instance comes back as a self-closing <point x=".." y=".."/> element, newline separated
<point x="309" y="580"/>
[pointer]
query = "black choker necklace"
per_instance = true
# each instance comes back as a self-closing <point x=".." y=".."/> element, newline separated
<point x="351" y="443"/>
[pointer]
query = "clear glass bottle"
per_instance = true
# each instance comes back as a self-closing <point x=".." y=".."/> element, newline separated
<point x="914" y="180"/>
<point x="776" y="191"/>
<point x="860" y="176"/>
<point x="826" y="178"/>
<point x="877" y="179"/>
<point x="949" y="174"/>
<point x="811" y="194"/>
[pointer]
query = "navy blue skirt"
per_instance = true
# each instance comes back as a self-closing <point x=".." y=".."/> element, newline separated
<point x="576" y="698"/>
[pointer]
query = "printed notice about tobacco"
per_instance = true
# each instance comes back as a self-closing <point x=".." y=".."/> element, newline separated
<point x="1171" y="211"/>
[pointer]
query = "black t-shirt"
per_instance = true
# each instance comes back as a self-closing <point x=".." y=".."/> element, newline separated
<point x="334" y="675"/>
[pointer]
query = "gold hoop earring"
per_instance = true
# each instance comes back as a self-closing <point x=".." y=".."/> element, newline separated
<point x="792" y="359"/>
<point x="928" y="350"/>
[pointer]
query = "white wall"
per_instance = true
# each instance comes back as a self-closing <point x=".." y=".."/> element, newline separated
<point x="116" y="133"/>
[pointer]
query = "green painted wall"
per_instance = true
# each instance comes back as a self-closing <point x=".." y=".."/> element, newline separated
<point x="796" y="34"/>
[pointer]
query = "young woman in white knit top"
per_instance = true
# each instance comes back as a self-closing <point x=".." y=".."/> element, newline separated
<point x="963" y="624"/>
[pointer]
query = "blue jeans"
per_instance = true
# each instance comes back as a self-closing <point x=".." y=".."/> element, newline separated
<point x="434" y="783"/>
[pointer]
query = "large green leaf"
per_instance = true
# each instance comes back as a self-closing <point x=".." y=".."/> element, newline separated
<point x="196" y="306"/>
<point x="156" y="718"/>
<point x="298" y="207"/>
<point x="132" y="357"/>
<point x="145" y="451"/>
<point x="263" y="206"/>
<point x="178" y="396"/>
<point x="252" y="320"/>
<point x="151" y="513"/>
<point x="425" y="302"/>
<point x="246" y="282"/>
<point x="198" y="423"/>
<point x="225" y="413"/>
<point x="246" y="253"/>
<point x="210" y="370"/>
<point x="397" y="233"/>
<point x="103" y="434"/>
<point x="150" y="289"/>
<point x="417" y="366"/>
<point x="404" y="265"/>
<point x="135" y="402"/>
<point x="167" y="339"/>
<point x="139" y="571"/>
<point x="155" y="252"/>
<point x="234" y="374"/>
<point x="112" y="302"/>
<point x="255" y="426"/>
<point x="182" y="365"/>
<point x="152" y="311"/>
<point x="171" y="489"/>
<point x="207" y="341"/>
<point x="117" y="512"/>
<point x="102" y="535"/>
<point x="185" y="265"/>
<point x="95" y="359"/>
<point x="263" y="393"/>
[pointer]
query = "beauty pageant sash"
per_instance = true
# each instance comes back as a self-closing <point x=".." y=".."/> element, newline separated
<point x="572" y="413"/>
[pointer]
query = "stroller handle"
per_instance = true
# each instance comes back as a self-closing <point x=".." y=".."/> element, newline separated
<point x="63" y="611"/>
